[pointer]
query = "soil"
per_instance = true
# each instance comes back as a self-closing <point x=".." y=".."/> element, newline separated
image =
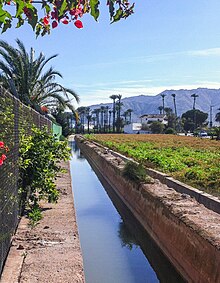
<point x="49" y="252"/>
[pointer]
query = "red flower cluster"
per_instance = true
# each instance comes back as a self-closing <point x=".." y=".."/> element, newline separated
<point x="44" y="109"/>
<point x="3" y="149"/>
<point x="66" y="18"/>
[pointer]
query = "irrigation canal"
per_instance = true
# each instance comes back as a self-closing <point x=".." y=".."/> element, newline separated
<point x="115" y="247"/>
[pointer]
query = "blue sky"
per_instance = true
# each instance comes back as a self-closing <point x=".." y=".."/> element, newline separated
<point x="166" y="44"/>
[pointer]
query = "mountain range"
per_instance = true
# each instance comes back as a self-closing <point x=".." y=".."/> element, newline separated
<point x="146" y="104"/>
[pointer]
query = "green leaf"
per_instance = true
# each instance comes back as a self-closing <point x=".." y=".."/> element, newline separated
<point x="111" y="8"/>
<point x="20" y="22"/>
<point x="94" y="4"/>
<point x="62" y="8"/>
<point x="34" y="17"/>
<point x="118" y="15"/>
<point x="4" y="15"/>
<point x="7" y="25"/>
<point x="19" y="8"/>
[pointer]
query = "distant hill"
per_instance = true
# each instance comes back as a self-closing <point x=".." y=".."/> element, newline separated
<point x="145" y="104"/>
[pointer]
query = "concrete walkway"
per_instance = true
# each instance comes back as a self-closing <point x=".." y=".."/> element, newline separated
<point x="49" y="252"/>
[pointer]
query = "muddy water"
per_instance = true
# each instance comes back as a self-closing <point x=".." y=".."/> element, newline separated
<point x="115" y="247"/>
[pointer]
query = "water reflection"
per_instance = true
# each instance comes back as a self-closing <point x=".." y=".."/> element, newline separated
<point x="127" y="238"/>
<point x="132" y="234"/>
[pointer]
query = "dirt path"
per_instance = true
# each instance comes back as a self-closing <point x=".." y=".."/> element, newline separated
<point x="49" y="252"/>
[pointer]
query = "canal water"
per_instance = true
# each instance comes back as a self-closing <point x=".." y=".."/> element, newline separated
<point x="115" y="247"/>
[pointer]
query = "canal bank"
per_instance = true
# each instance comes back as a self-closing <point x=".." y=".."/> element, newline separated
<point x="186" y="231"/>
<point x="49" y="252"/>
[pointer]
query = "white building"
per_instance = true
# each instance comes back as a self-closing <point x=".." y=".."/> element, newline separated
<point x="132" y="128"/>
<point x="149" y="118"/>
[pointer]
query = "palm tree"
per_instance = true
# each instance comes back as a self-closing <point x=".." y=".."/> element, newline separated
<point x="106" y="117"/>
<point x="163" y="96"/>
<point x="102" y="110"/>
<point x="129" y="113"/>
<point x="160" y="108"/>
<point x="109" y="120"/>
<point x="194" y="95"/>
<point x="125" y="114"/>
<point x="113" y="97"/>
<point x="82" y="112"/>
<point x="97" y="112"/>
<point x="118" y="121"/>
<point x="174" y="103"/>
<point x="24" y="77"/>
<point x="217" y="116"/>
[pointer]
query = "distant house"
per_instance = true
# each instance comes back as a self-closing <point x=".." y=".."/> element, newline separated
<point x="149" y="118"/>
<point x="132" y="128"/>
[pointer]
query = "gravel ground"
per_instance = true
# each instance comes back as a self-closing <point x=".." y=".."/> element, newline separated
<point x="50" y="252"/>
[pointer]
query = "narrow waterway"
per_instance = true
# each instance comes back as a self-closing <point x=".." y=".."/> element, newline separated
<point x="115" y="247"/>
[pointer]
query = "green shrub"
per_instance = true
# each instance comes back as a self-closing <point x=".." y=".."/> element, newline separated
<point x="135" y="172"/>
<point x="40" y="155"/>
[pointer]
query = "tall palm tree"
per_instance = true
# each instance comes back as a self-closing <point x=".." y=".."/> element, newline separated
<point x="160" y="108"/>
<point x="194" y="95"/>
<point x="109" y="120"/>
<point x="163" y="96"/>
<point x="24" y="77"/>
<point x="118" y="106"/>
<point x="217" y="116"/>
<point x="97" y="112"/>
<point x="125" y="114"/>
<point x="82" y="112"/>
<point x="119" y="96"/>
<point x="129" y="113"/>
<point x="106" y="117"/>
<point x="113" y="97"/>
<point x="102" y="111"/>
<point x="174" y="103"/>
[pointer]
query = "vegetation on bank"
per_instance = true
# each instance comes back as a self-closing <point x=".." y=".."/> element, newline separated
<point x="191" y="160"/>
<point x="39" y="165"/>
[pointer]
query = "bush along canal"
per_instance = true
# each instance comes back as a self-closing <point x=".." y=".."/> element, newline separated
<point x="115" y="246"/>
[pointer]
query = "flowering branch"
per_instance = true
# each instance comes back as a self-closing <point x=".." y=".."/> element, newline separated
<point x="44" y="15"/>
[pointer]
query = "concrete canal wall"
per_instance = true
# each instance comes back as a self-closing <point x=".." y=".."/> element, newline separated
<point x="187" y="232"/>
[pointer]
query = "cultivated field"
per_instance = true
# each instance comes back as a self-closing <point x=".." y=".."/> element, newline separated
<point x="194" y="161"/>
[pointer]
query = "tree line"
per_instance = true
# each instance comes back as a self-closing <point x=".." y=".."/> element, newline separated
<point x="104" y="119"/>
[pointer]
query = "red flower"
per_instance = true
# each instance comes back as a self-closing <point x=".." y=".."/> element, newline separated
<point x="44" y="109"/>
<point x="65" y="21"/>
<point x="2" y="145"/>
<point x="3" y="157"/>
<point x="46" y="21"/>
<point x="1" y="162"/>
<point x="54" y="24"/>
<point x="78" y="24"/>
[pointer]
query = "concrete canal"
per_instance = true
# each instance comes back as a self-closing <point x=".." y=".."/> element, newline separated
<point x="114" y="245"/>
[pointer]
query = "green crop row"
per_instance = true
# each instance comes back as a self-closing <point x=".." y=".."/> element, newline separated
<point x="197" y="165"/>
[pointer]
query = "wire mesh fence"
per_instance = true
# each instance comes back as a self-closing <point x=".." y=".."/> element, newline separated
<point x="15" y="119"/>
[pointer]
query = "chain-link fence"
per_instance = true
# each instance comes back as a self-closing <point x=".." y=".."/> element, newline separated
<point x="15" y="118"/>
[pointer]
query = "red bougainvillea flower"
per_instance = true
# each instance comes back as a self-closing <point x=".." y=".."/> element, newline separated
<point x="3" y="157"/>
<point x="78" y="24"/>
<point x="1" y="162"/>
<point x="2" y="144"/>
<point x="44" y="109"/>
<point x="54" y="24"/>
<point x="65" y="21"/>
<point x="46" y="21"/>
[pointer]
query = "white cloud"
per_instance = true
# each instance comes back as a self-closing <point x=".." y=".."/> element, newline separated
<point x="205" y="52"/>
